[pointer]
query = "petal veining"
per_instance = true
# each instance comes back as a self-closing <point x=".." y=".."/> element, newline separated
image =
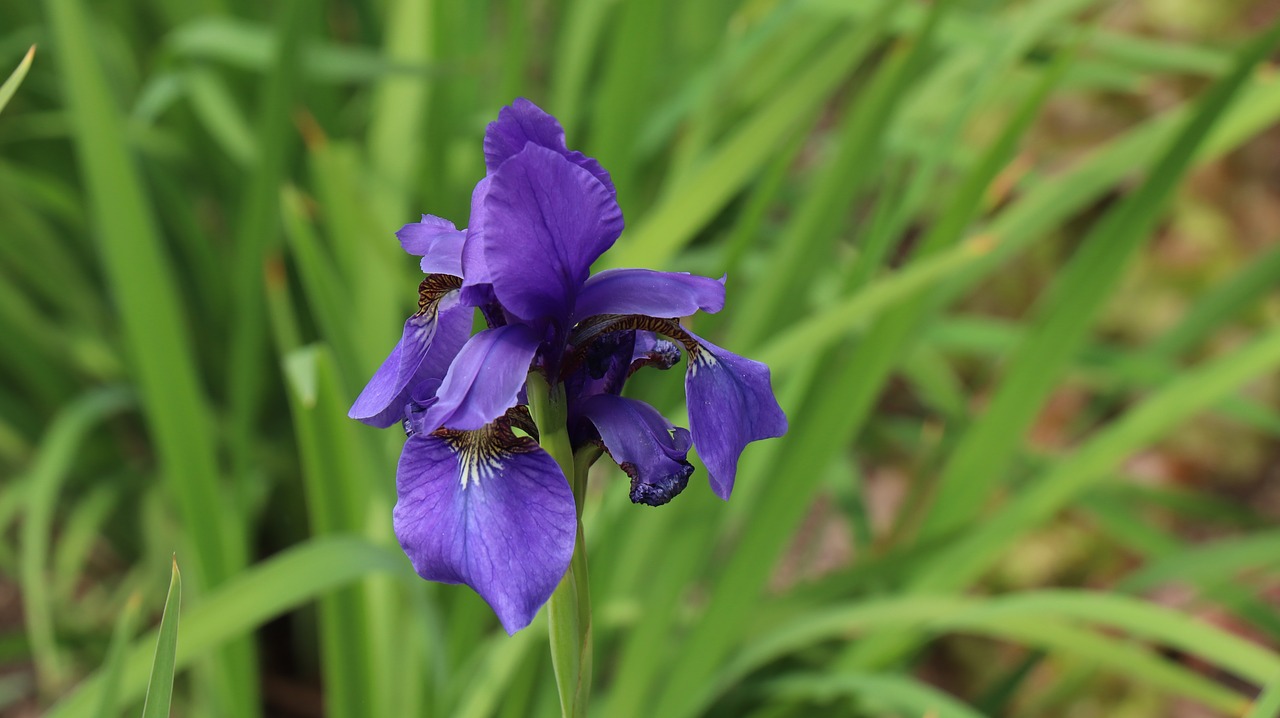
<point x="731" y="404"/>
<point x="489" y="510"/>
<point x="545" y="220"/>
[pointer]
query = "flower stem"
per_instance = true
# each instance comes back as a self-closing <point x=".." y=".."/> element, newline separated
<point x="569" y="610"/>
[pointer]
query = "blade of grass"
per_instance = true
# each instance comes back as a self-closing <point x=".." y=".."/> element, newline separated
<point x="160" y="685"/>
<point x="149" y="305"/>
<point x="684" y="208"/>
<point x="1067" y="312"/>
<point x="125" y="627"/>
<point x="257" y="233"/>
<point x="330" y="451"/>
<point x="251" y="598"/>
<point x="903" y="693"/>
<point x="1208" y="564"/>
<point x="1224" y="300"/>
<point x="1268" y="703"/>
<point x="834" y="323"/>
<point x="400" y="107"/>
<point x="1196" y="389"/>
<point x="823" y="211"/>
<point x="53" y="462"/>
<point x="16" y="77"/>
<point x="1048" y="619"/>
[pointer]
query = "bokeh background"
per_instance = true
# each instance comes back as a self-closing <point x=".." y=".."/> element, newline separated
<point x="1014" y="265"/>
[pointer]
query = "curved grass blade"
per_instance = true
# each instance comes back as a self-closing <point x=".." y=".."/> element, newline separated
<point x="57" y="452"/>
<point x="903" y="693"/>
<point x="1067" y="313"/>
<point x="160" y="686"/>
<point x="10" y="85"/>
<point x="1268" y="704"/>
<point x="1056" y="621"/>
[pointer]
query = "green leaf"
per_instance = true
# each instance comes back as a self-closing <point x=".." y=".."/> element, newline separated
<point x="56" y="456"/>
<point x="10" y="85"/>
<point x="901" y="693"/>
<point x="1268" y="703"/>
<point x="160" y="685"/>
<point x="113" y="666"/>
<point x="249" y="600"/>
<point x="1065" y="315"/>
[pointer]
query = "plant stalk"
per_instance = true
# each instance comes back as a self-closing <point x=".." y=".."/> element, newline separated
<point x="569" y="610"/>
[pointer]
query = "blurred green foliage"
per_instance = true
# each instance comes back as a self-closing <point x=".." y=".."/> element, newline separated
<point x="986" y="246"/>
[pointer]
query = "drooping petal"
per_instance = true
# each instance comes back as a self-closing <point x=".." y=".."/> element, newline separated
<point x="644" y="444"/>
<point x="428" y="344"/>
<point x="488" y="510"/>
<point x="654" y="294"/>
<point x="484" y="379"/>
<point x="652" y="350"/>
<point x="545" y="220"/>
<point x="731" y="404"/>
<point x="524" y="122"/>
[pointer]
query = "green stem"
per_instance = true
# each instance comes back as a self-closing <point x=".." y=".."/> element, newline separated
<point x="569" y="610"/>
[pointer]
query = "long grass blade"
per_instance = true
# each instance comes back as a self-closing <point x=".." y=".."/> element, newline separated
<point x="15" y="79"/>
<point x="160" y="685"/>
<point x="253" y="597"/>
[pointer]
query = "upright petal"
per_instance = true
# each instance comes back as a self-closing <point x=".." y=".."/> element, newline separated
<point x="477" y="285"/>
<point x="428" y="344"/>
<point x="731" y="404"/>
<point x="437" y="241"/>
<point x="524" y="122"/>
<point x="489" y="510"/>
<point x="484" y="379"/>
<point x="653" y="294"/>
<point x="545" y="220"/>
<point x="644" y="444"/>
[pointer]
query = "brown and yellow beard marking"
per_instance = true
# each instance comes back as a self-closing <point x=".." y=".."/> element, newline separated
<point x="481" y="452"/>
<point x="591" y="327"/>
<point x="432" y="289"/>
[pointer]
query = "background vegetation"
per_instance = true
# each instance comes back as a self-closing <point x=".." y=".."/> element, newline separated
<point x="1013" y="264"/>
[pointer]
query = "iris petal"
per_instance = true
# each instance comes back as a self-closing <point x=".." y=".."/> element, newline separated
<point x="731" y="404"/>
<point x="545" y="220"/>
<point x="644" y="444"/>
<point x="484" y="379"/>
<point x="524" y="122"/>
<point x="477" y="285"/>
<point x="426" y="347"/>
<point x="437" y="241"/>
<point x="654" y="294"/>
<point x="487" y="510"/>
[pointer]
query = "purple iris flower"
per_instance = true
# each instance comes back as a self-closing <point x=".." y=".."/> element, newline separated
<point x="478" y="503"/>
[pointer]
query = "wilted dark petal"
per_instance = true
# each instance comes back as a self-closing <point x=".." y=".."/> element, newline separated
<point x="652" y="350"/>
<point x="731" y="404"/>
<point x="488" y="510"/>
<point x="545" y="220"/>
<point x="485" y="378"/>
<point x="524" y="122"/>
<point x="654" y="294"/>
<point x="427" y="346"/>
<point x="644" y="444"/>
